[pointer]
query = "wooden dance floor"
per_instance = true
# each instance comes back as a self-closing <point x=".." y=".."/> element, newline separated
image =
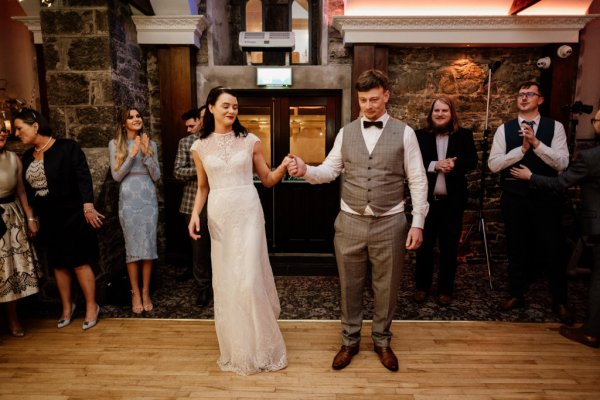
<point x="175" y="359"/>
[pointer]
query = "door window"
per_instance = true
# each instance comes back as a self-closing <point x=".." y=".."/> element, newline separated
<point x="257" y="119"/>
<point x="307" y="133"/>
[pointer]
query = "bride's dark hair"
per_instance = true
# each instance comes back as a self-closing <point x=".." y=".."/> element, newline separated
<point x="208" y="123"/>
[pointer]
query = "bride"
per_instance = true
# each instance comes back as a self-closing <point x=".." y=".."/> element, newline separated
<point x="245" y="298"/>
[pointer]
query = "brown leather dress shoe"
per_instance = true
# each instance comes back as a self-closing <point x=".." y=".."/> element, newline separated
<point x="444" y="300"/>
<point x="344" y="356"/>
<point x="577" y="335"/>
<point x="387" y="357"/>
<point x="512" y="303"/>
<point x="420" y="296"/>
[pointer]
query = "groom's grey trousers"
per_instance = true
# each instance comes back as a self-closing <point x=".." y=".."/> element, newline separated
<point x="380" y="240"/>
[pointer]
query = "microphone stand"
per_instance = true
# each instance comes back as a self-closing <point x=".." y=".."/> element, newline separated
<point x="484" y="157"/>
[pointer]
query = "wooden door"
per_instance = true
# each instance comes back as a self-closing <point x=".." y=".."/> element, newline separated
<point x="299" y="216"/>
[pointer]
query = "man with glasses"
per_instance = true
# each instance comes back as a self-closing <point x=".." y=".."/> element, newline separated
<point x="585" y="172"/>
<point x="532" y="218"/>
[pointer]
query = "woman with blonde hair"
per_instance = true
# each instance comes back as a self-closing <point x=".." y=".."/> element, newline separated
<point x="134" y="163"/>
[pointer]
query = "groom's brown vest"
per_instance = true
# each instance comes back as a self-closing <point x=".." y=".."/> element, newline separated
<point x="375" y="179"/>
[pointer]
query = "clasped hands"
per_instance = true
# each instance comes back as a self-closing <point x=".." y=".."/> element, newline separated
<point x="446" y="165"/>
<point x="296" y="167"/>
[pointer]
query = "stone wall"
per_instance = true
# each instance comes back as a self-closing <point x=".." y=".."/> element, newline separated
<point x="418" y="74"/>
<point x="337" y="53"/>
<point x="94" y="66"/>
<point x="153" y="124"/>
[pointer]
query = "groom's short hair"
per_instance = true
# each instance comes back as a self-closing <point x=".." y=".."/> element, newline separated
<point x="371" y="79"/>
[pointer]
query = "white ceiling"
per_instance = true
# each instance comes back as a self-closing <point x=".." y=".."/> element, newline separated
<point x="389" y="7"/>
<point x="460" y="7"/>
<point x="161" y="7"/>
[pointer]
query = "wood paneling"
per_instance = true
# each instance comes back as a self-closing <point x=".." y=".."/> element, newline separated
<point x="143" y="5"/>
<point x="176" y="359"/>
<point x="176" y="68"/>
<point x="520" y="5"/>
<point x="559" y="83"/>
<point x="366" y="57"/>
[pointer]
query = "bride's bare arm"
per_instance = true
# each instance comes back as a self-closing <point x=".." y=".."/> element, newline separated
<point x="267" y="177"/>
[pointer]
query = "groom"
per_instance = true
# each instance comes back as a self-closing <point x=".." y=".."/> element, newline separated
<point x="377" y="154"/>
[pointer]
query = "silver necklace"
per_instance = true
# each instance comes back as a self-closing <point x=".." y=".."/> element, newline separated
<point x="42" y="149"/>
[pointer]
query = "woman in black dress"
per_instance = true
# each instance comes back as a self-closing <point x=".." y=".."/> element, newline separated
<point x="59" y="188"/>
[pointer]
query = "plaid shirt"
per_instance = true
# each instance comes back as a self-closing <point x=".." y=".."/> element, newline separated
<point x="185" y="170"/>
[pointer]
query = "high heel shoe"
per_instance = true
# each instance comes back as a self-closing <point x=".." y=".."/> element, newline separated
<point x="64" y="322"/>
<point x="136" y="309"/>
<point x="17" y="332"/>
<point x="90" y="324"/>
<point x="148" y="306"/>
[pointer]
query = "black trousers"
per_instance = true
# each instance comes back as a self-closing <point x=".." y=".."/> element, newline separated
<point x="592" y="324"/>
<point x="535" y="242"/>
<point x="201" y="263"/>
<point x="444" y="225"/>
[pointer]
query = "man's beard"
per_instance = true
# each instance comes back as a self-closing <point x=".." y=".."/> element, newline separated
<point x="441" y="128"/>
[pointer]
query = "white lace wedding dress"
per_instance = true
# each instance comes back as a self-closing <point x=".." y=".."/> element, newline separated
<point x="245" y="298"/>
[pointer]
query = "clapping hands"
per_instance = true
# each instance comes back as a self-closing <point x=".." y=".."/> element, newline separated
<point x="144" y="144"/>
<point x="529" y="139"/>
<point x="136" y="147"/>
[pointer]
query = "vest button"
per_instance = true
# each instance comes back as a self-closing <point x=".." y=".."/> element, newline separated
<point x="368" y="190"/>
<point x="368" y="167"/>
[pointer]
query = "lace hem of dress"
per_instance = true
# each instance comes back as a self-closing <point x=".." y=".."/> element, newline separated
<point x="245" y="370"/>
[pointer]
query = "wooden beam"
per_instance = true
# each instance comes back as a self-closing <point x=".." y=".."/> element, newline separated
<point x="520" y="5"/>
<point x="366" y="56"/>
<point x="144" y="6"/>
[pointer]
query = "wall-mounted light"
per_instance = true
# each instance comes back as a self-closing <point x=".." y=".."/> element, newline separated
<point x="564" y="51"/>
<point x="544" y="63"/>
<point x="46" y="3"/>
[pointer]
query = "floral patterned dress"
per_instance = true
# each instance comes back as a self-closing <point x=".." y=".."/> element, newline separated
<point x="19" y="268"/>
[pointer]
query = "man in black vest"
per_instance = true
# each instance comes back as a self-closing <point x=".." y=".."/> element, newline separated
<point x="376" y="154"/>
<point x="585" y="172"/>
<point x="448" y="154"/>
<point x="532" y="218"/>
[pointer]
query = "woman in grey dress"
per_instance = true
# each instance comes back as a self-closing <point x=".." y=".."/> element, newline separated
<point x="134" y="163"/>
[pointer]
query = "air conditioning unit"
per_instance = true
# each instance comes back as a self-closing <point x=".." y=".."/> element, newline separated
<point x="266" y="41"/>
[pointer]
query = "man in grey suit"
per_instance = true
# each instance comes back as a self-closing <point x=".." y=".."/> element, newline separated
<point x="376" y="154"/>
<point x="185" y="171"/>
<point x="585" y="171"/>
